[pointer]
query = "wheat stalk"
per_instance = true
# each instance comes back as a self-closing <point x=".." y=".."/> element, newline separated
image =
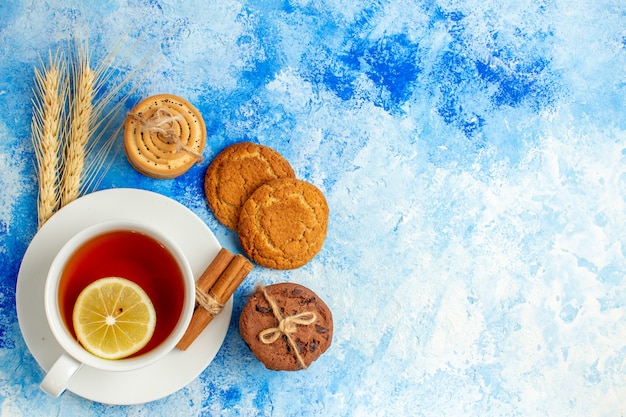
<point x="80" y="130"/>
<point x="48" y="104"/>
<point x="96" y="148"/>
<point x="70" y="119"/>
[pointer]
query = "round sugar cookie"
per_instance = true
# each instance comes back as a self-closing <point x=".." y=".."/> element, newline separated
<point x="305" y="317"/>
<point x="283" y="224"/>
<point x="237" y="172"/>
<point x="164" y="136"/>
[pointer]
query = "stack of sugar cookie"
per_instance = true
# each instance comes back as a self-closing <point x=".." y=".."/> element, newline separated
<point x="281" y="220"/>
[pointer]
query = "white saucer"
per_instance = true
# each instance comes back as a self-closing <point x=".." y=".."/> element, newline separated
<point x="198" y="243"/>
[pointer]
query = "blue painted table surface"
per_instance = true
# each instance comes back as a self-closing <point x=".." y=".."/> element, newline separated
<point x="473" y="154"/>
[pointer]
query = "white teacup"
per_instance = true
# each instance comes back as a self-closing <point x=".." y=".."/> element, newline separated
<point x="74" y="356"/>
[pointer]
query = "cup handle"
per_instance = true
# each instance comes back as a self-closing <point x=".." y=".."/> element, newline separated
<point x="57" y="378"/>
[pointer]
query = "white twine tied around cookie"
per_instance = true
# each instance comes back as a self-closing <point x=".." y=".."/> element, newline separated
<point x="286" y="326"/>
<point x="162" y="123"/>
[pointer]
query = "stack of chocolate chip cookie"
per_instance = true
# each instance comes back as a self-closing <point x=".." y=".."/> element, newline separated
<point x="281" y="220"/>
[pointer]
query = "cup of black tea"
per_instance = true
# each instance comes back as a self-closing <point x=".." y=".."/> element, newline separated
<point x="136" y="251"/>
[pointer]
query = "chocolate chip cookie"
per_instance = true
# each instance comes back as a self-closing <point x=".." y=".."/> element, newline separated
<point x="286" y="326"/>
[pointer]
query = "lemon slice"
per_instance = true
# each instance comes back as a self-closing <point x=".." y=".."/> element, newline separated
<point x="113" y="318"/>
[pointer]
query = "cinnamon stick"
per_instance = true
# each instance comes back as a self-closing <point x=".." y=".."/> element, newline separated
<point x="230" y="279"/>
<point x="212" y="273"/>
<point x="222" y="289"/>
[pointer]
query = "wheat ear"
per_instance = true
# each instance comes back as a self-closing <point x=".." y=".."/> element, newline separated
<point x="80" y="129"/>
<point x="48" y="104"/>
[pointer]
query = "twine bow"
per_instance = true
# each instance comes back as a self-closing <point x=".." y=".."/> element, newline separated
<point x="286" y="326"/>
<point x="162" y="123"/>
